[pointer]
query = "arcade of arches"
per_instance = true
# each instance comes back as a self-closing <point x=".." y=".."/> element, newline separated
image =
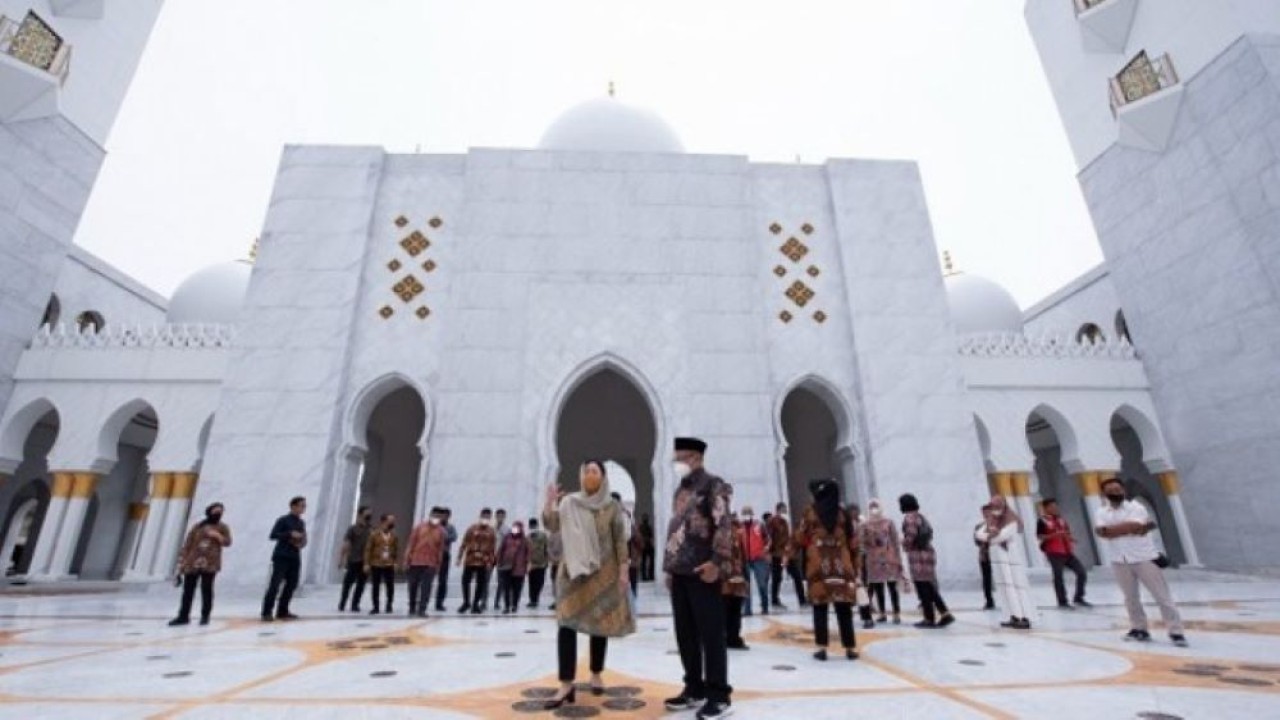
<point x="392" y="467"/>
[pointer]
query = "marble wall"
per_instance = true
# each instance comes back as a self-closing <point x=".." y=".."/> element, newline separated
<point x="1192" y="238"/>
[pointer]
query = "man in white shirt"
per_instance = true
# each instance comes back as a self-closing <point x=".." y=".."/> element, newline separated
<point x="1125" y="526"/>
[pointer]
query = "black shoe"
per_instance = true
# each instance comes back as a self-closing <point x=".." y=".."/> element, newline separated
<point x="897" y="619"/>
<point x="355" y="608"/>
<point x="286" y="616"/>
<point x="764" y="611"/>
<point x="779" y="606"/>
<point x="440" y="608"/>
<point x="477" y="611"/>
<point x="178" y="622"/>
<point x="989" y="606"/>
<point x="267" y="618"/>
<point x="868" y="624"/>
<point x="715" y="710"/>
<point x="683" y="702"/>
<point x="882" y="619"/>
<point x="1065" y="606"/>
<point x="552" y="606"/>
<point x="850" y="654"/>
<point x="375" y="611"/>
<point x="1024" y="624"/>
<point x="820" y="655"/>
<point x="530" y="606"/>
<point x="1081" y="602"/>
<point x="204" y="621"/>
<point x="946" y="619"/>
<point x="464" y="609"/>
<point x="737" y="645"/>
<point x="1178" y="639"/>
<point x="342" y="607"/>
<point x="925" y="625"/>
<point x="597" y="690"/>
<point x="569" y="699"/>
<point x="1138" y="636"/>
<point x="1011" y="623"/>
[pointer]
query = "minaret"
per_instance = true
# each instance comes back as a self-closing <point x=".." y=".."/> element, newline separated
<point x="1172" y="108"/>
<point x="65" y="66"/>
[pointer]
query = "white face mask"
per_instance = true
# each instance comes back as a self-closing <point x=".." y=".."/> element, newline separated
<point x="875" y="511"/>
<point x="517" y="531"/>
<point x="486" y="521"/>
<point x="682" y="469"/>
<point x="748" y="518"/>
<point x="435" y="521"/>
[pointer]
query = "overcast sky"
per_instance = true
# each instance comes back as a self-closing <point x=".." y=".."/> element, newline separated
<point x="953" y="84"/>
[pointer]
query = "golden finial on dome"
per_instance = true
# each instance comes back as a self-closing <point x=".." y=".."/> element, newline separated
<point x="948" y="265"/>
<point x="253" y="250"/>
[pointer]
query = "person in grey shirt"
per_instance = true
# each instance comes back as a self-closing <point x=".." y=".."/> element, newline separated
<point x="450" y="537"/>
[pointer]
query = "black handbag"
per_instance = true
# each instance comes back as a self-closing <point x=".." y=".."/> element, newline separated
<point x="1162" y="561"/>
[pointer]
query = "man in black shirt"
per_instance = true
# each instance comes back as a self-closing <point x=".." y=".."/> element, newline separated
<point x="353" y="559"/>
<point x="290" y="534"/>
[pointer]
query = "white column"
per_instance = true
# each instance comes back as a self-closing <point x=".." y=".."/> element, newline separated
<point x="64" y="549"/>
<point x="129" y="539"/>
<point x="175" y="522"/>
<point x="1021" y="485"/>
<point x="157" y="508"/>
<point x="1090" y="483"/>
<point x="1172" y="487"/>
<point x="51" y="528"/>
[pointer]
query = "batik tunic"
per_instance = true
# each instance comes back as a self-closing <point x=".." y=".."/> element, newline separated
<point x="831" y="561"/>
<point x="922" y="561"/>
<point x="881" y="551"/>
<point x="596" y="604"/>
<point x="735" y="584"/>
<point x="700" y="530"/>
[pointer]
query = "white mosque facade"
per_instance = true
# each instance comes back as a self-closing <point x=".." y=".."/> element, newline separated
<point x="459" y="330"/>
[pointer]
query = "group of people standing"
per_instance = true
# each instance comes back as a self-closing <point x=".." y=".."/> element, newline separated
<point x="594" y="553"/>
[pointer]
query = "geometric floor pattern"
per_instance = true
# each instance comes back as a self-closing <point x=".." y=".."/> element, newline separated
<point x="110" y="655"/>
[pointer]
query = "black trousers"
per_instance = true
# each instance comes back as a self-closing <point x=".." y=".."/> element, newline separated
<point x="383" y="576"/>
<point x="567" y="650"/>
<point x="844" y="620"/>
<point x="537" y="579"/>
<point x="985" y="567"/>
<point x="189" y="581"/>
<point x="353" y="577"/>
<point x="442" y="581"/>
<point x="698" y="613"/>
<point x="420" y="578"/>
<point x="510" y="586"/>
<point x="931" y="603"/>
<point x="480" y="576"/>
<point x="792" y="568"/>
<point x="500" y="592"/>
<point x="733" y="619"/>
<point x="647" y="560"/>
<point x="877" y="590"/>
<point x="284" y="580"/>
<point x="1058" y="563"/>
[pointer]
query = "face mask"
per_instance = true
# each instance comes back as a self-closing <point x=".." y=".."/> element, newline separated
<point x="435" y="521"/>
<point x="591" y="484"/>
<point x="682" y="469"/>
<point x="215" y="517"/>
<point x="875" y="511"/>
<point x="748" y="518"/>
<point x="366" y="519"/>
<point x="997" y="511"/>
<point x="391" y="526"/>
<point x="1115" y="499"/>
<point x="517" y="531"/>
<point x="486" y="522"/>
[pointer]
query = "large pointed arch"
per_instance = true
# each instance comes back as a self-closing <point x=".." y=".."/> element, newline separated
<point x="114" y="427"/>
<point x="362" y="407"/>
<point x="984" y="442"/>
<point x="1068" y="440"/>
<point x="13" y="437"/>
<point x="845" y="453"/>
<point x="835" y="401"/>
<point x="1155" y="455"/>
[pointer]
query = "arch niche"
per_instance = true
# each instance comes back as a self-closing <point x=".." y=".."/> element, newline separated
<point x="1054" y="444"/>
<point x="394" y="433"/>
<point x="28" y="438"/>
<point x="1135" y="436"/>
<point x="814" y="434"/>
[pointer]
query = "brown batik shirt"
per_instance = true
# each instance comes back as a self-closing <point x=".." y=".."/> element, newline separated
<point x="700" y="529"/>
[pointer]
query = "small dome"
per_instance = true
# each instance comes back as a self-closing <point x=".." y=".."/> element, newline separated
<point x="981" y="306"/>
<point x="213" y="295"/>
<point x="607" y="125"/>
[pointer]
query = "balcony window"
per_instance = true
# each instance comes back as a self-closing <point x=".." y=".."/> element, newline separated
<point x="1086" y="5"/>
<point x="35" y="43"/>
<point x="1143" y="77"/>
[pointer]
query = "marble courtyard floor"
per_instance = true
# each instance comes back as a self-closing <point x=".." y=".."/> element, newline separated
<point x="110" y="655"/>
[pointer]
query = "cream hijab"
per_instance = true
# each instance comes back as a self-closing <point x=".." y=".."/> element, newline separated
<point x="582" y="552"/>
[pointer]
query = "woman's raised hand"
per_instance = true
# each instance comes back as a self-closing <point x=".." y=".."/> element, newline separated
<point x="554" y="493"/>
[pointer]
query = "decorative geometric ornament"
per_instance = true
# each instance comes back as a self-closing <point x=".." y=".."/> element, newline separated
<point x="820" y="317"/>
<point x="779" y="271"/>
<point x="408" y="288"/>
<point x="394" y="265"/>
<point x="386" y="312"/>
<point x="794" y="249"/>
<point x="415" y="243"/>
<point x="435" y="222"/>
<point x="775" y="228"/>
<point x="401" y="221"/>
<point x="799" y="293"/>
<point x="422" y="312"/>
<point x="785" y="316"/>
<point x="807" y="229"/>
<point x="813" y="271"/>
<point x="429" y="266"/>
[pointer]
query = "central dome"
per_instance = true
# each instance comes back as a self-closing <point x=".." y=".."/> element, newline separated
<point x="607" y="125"/>
<point x="980" y="306"/>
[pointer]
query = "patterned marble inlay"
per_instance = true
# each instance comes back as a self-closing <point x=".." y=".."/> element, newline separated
<point x="415" y="243"/>
<point x="423" y="312"/>
<point x="775" y="228"/>
<point x="408" y="288"/>
<point x="401" y="221"/>
<point x="785" y="316"/>
<point x="799" y="293"/>
<point x="394" y="265"/>
<point x="429" y="266"/>
<point x="820" y="317"/>
<point x="814" y="271"/>
<point x="386" y="312"/>
<point x="807" y="229"/>
<point x="435" y="222"/>
<point x="794" y="249"/>
<point x="779" y="270"/>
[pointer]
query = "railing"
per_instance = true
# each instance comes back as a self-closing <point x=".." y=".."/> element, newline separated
<point x="35" y="43"/>
<point x="1062" y="347"/>
<point x="1142" y="77"/>
<point x="198" y="336"/>
<point x="1083" y="6"/>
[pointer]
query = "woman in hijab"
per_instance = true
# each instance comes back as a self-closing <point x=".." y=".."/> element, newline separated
<point x="917" y="539"/>
<point x="882" y="558"/>
<point x="199" y="562"/>
<point x="592" y="590"/>
<point x="831" y="565"/>
<point x="1000" y="532"/>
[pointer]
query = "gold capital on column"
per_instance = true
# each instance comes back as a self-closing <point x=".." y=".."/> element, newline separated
<point x="1004" y="484"/>
<point x="184" y="485"/>
<point x="84" y="484"/>
<point x="62" y="484"/>
<point x="1020" y="483"/>
<point x="161" y="485"/>
<point x="138" y="511"/>
<point x="1090" y="483"/>
<point x="1170" y="483"/>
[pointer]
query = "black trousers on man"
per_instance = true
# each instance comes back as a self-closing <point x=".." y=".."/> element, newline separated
<point x="985" y="567"/>
<point x="647" y="562"/>
<point x="1058" y="563"/>
<point x="284" y="572"/>
<point x="793" y="569"/>
<point x="205" y="579"/>
<point x="420" y="578"/>
<point x="733" y="621"/>
<point x="698" y="613"/>
<point x="442" y="580"/>
<point x="537" y="579"/>
<point x="354" y="577"/>
<point x="567" y="650"/>
<point x="383" y="576"/>
<point x="844" y="620"/>
<point x="480" y="576"/>
<point x="931" y="602"/>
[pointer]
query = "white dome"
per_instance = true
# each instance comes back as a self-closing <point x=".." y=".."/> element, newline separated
<point x="981" y="306"/>
<point x="213" y="295"/>
<point x="607" y="125"/>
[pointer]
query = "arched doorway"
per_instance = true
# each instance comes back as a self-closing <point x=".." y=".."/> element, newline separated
<point x="1048" y="434"/>
<point x="26" y="497"/>
<point x="606" y="416"/>
<point x="110" y="531"/>
<point x="1145" y="487"/>
<point x="390" y="476"/>
<point x="812" y="431"/>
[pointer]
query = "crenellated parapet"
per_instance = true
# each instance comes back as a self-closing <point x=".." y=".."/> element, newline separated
<point x="1049" y="347"/>
<point x="180" y="336"/>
